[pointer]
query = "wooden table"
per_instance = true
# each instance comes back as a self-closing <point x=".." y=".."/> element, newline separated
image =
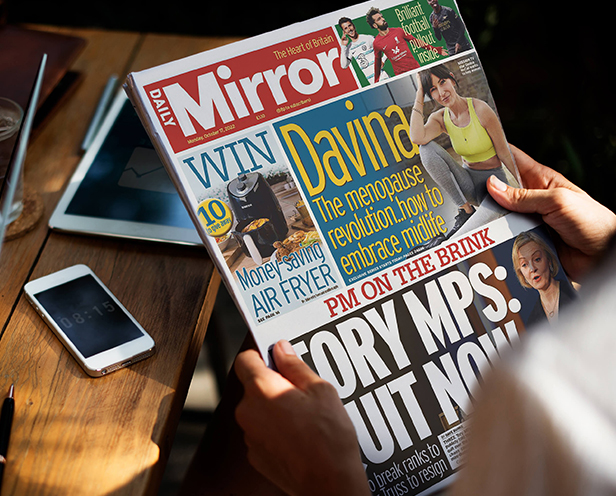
<point x="73" y="434"/>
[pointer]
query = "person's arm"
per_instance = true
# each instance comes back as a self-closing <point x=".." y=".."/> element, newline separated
<point x="297" y="431"/>
<point x="460" y="28"/>
<point x="584" y="225"/>
<point x="378" y="54"/>
<point x="489" y="120"/>
<point x="437" y="31"/>
<point x="345" y="60"/>
<point x="422" y="133"/>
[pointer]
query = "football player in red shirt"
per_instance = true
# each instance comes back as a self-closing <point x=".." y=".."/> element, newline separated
<point x="394" y="43"/>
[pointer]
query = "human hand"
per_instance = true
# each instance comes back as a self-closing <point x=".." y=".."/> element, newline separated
<point x="296" y="429"/>
<point x="584" y="225"/>
<point x="419" y="96"/>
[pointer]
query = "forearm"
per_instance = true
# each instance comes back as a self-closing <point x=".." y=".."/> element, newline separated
<point x="492" y="125"/>
<point x="461" y="28"/>
<point x="345" y="60"/>
<point x="378" y="63"/>
<point x="418" y="130"/>
<point x="505" y="157"/>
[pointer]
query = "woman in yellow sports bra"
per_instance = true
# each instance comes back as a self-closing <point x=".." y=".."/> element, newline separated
<point x="476" y="135"/>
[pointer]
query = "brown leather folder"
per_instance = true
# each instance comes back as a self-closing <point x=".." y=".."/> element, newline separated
<point x="21" y="50"/>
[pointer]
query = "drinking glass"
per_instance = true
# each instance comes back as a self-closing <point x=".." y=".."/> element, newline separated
<point x="10" y="119"/>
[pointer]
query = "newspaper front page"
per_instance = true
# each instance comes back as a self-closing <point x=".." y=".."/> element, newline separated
<point x="334" y="229"/>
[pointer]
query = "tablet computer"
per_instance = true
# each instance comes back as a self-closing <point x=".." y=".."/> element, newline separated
<point x="121" y="188"/>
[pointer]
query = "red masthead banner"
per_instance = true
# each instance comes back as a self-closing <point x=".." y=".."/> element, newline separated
<point x="226" y="97"/>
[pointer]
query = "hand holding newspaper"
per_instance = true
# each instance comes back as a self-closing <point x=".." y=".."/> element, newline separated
<point x="409" y="282"/>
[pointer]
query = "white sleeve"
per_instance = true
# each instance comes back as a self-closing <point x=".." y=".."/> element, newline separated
<point x="345" y="59"/>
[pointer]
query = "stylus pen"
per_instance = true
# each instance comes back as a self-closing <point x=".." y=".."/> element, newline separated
<point x="6" y="420"/>
<point x="99" y="113"/>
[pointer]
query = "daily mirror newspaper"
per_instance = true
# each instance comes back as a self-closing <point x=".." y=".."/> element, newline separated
<point x="335" y="170"/>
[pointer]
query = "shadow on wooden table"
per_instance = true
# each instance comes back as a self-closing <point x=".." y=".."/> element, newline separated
<point x="220" y="465"/>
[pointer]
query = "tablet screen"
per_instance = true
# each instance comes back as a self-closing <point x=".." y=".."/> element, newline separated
<point x="121" y="187"/>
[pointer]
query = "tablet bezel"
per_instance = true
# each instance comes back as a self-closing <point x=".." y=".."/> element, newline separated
<point x="85" y="224"/>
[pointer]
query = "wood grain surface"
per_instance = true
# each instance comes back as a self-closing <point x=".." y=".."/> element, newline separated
<point x="73" y="434"/>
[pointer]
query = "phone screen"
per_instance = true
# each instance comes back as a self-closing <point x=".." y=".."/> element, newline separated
<point x="89" y="317"/>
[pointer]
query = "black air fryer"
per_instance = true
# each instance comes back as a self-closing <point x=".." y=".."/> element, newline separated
<point x="251" y="198"/>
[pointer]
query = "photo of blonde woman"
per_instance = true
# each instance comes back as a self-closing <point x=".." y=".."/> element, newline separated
<point x="536" y="267"/>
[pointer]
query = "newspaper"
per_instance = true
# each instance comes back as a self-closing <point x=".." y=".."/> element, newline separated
<point x="296" y="155"/>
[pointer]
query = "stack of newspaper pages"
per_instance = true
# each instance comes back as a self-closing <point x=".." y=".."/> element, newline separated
<point x="335" y="170"/>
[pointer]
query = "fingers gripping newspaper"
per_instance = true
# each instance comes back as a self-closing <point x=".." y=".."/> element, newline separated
<point x="335" y="170"/>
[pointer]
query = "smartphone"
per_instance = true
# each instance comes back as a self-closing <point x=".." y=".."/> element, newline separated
<point x="89" y="320"/>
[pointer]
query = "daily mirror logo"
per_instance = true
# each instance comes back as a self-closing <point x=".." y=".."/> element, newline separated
<point x="223" y="98"/>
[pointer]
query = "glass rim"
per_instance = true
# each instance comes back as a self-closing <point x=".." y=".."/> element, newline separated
<point x="6" y="104"/>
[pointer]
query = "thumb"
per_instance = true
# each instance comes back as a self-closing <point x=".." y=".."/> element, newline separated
<point x="292" y="367"/>
<point x="541" y="201"/>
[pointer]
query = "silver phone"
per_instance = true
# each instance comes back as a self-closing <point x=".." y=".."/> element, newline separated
<point x="89" y="320"/>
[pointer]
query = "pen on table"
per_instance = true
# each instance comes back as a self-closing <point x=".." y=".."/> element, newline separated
<point x="6" y="420"/>
<point x="99" y="113"/>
